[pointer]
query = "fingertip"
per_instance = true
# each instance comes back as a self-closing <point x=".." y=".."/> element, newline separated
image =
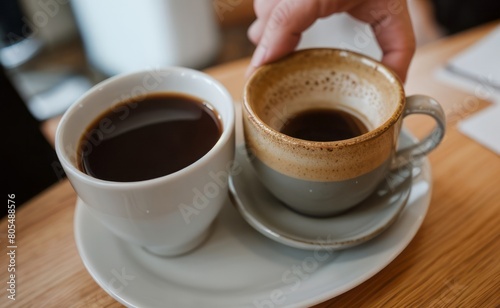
<point x="249" y="71"/>
<point x="259" y="56"/>
<point x="255" y="31"/>
<point x="399" y="62"/>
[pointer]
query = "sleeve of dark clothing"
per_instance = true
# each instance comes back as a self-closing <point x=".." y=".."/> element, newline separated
<point x="456" y="16"/>
<point x="29" y="163"/>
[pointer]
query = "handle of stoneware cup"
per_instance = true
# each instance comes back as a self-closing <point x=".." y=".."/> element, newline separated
<point x="421" y="104"/>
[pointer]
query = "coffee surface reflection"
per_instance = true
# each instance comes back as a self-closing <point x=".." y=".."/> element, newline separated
<point x="156" y="136"/>
<point x="324" y="125"/>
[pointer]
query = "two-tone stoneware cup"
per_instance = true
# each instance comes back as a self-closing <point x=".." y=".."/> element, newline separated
<point x="327" y="178"/>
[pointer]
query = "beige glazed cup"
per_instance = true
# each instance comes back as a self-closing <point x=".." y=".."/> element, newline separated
<point x="326" y="178"/>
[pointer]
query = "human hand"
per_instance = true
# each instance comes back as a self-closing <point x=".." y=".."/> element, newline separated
<point x="280" y="23"/>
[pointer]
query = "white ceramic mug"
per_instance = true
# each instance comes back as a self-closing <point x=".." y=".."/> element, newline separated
<point x="121" y="36"/>
<point x="169" y="215"/>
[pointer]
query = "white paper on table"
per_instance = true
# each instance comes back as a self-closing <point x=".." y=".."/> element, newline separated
<point x="477" y="68"/>
<point x="483" y="127"/>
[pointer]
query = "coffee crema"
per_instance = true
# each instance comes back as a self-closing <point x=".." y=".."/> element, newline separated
<point x="159" y="135"/>
<point x="324" y="125"/>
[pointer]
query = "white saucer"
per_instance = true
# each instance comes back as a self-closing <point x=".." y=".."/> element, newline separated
<point x="237" y="266"/>
<point x="272" y="218"/>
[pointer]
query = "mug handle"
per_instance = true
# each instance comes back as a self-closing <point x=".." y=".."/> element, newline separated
<point x="421" y="104"/>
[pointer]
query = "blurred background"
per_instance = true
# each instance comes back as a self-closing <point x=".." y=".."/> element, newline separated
<point x="52" y="51"/>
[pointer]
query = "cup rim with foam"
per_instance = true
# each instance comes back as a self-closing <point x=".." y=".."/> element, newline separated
<point x="390" y="75"/>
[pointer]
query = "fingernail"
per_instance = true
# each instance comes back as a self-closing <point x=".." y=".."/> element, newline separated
<point x="249" y="71"/>
<point x="258" y="56"/>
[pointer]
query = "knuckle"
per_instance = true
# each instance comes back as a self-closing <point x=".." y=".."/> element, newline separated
<point x="281" y="15"/>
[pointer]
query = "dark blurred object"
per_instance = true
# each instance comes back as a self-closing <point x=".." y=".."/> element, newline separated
<point x="17" y="44"/>
<point x="11" y="22"/>
<point x="29" y="163"/>
<point x="456" y="16"/>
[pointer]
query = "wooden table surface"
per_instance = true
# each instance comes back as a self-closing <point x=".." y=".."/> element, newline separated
<point x="452" y="261"/>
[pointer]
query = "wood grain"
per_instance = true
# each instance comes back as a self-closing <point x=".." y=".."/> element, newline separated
<point x="451" y="262"/>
